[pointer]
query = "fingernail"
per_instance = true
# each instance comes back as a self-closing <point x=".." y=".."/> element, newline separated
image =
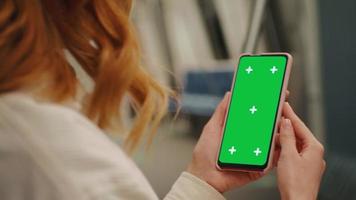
<point x="281" y="122"/>
<point x="226" y="94"/>
<point x="287" y="123"/>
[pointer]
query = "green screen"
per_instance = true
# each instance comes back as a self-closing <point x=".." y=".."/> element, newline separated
<point x="252" y="113"/>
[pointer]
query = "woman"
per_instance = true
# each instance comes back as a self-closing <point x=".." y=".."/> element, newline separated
<point x="52" y="141"/>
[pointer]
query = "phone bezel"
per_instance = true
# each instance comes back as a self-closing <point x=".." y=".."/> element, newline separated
<point x="266" y="165"/>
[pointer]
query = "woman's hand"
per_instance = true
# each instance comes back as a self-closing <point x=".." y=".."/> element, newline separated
<point x="204" y="155"/>
<point x="300" y="164"/>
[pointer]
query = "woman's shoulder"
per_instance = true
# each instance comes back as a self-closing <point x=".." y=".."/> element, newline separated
<point x="55" y="128"/>
<point x="64" y="144"/>
<point x="18" y="107"/>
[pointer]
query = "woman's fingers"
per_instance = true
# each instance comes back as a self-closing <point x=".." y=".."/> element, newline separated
<point x="277" y="142"/>
<point x="287" y="95"/>
<point x="302" y="132"/>
<point x="308" y="144"/>
<point x="276" y="155"/>
<point x="287" y="138"/>
<point x="220" y="111"/>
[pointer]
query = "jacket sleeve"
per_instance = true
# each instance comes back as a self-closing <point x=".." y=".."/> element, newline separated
<point x="188" y="186"/>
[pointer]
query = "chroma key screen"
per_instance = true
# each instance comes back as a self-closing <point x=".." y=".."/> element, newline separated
<point x="253" y="110"/>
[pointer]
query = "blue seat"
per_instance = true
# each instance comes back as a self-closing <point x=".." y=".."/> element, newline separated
<point x="203" y="90"/>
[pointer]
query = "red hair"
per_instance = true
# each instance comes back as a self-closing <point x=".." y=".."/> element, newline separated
<point x="100" y="35"/>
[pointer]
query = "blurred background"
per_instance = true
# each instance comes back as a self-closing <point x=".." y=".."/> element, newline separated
<point x="193" y="46"/>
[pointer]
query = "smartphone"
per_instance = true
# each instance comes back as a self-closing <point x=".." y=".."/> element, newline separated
<point x="257" y="96"/>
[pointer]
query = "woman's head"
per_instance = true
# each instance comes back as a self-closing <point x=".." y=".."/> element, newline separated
<point x="99" y="33"/>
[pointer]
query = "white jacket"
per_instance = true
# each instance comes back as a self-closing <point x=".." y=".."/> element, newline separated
<point x="50" y="151"/>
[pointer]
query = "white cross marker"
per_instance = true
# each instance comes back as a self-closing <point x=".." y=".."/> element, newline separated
<point x="232" y="150"/>
<point x="257" y="151"/>
<point x="249" y="69"/>
<point x="274" y="69"/>
<point x="253" y="109"/>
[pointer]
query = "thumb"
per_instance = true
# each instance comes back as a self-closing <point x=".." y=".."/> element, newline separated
<point x="220" y="110"/>
<point x="287" y="138"/>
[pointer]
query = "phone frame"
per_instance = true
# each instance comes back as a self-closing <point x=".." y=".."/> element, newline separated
<point x="267" y="165"/>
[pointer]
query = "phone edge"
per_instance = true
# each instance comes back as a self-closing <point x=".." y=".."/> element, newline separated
<point x="279" y="113"/>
